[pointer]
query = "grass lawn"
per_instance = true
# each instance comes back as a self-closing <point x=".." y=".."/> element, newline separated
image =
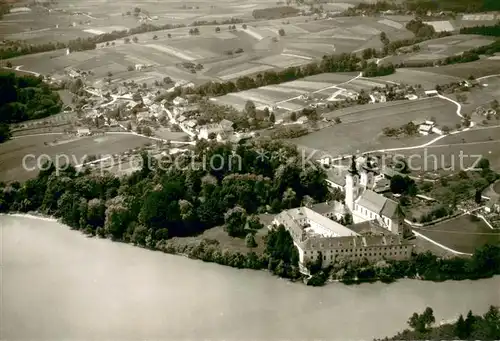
<point x="225" y="241"/>
<point x="452" y="157"/>
<point x="462" y="234"/>
<point x="472" y="136"/>
<point x="421" y="245"/>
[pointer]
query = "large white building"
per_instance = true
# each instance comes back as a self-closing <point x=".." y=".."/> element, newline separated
<point x="377" y="232"/>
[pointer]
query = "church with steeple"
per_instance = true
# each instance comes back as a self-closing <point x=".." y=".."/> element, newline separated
<point x="377" y="231"/>
<point x="365" y="204"/>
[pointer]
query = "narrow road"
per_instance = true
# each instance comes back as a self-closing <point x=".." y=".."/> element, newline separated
<point x="486" y="77"/>
<point x="184" y="129"/>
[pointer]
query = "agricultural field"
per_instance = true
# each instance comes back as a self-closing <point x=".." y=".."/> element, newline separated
<point x="425" y="77"/>
<point x="289" y="95"/>
<point x="361" y="127"/>
<point x="451" y="158"/>
<point x="463" y="234"/>
<point x="479" y="68"/>
<point x="441" y="48"/>
<point x="12" y="152"/>
<point x="225" y="54"/>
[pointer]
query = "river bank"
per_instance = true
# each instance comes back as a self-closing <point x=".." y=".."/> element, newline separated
<point x="485" y="263"/>
<point x="58" y="285"/>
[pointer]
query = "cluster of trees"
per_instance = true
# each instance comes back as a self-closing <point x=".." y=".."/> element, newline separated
<point x="420" y="29"/>
<point x="401" y="184"/>
<point x="289" y="132"/>
<point x="484" y="263"/>
<point x="463" y="187"/>
<point x="25" y="98"/>
<point x="230" y="21"/>
<point x="275" y="12"/>
<point x="206" y="189"/>
<point x="374" y="70"/>
<point x="408" y="129"/>
<point x="473" y="327"/>
<point x="437" y="212"/>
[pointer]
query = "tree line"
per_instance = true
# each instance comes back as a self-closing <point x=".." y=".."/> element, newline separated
<point x="24" y="98"/>
<point x="473" y="327"/>
<point x="421" y="7"/>
<point x="484" y="30"/>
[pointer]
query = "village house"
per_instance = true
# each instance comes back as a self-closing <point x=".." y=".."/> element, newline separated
<point x="83" y="132"/>
<point x="492" y="206"/>
<point x="189" y="124"/>
<point x="179" y="101"/>
<point x="220" y="130"/>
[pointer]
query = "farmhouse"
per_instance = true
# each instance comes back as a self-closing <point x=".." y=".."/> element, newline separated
<point x="179" y="101"/>
<point x="83" y="132"/>
<point x="190" y="124"/>
<point x="431" y="93"/>
<point x="425" y="129"/>
<point x="492" y="206"/>
<point x="218" y="130"/>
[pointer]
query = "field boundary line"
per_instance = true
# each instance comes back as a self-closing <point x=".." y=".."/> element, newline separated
<point x="441" y="245"/>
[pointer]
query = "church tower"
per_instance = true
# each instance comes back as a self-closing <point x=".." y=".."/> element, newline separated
<point x="351" y="185"/>
<point x="366" y="175"/>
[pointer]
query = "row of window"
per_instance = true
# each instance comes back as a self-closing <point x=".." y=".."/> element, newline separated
<point x="400" y="247"/>
<point x="370" y="254"/>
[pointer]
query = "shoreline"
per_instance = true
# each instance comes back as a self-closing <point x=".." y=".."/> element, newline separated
<point x="303" y="278"/>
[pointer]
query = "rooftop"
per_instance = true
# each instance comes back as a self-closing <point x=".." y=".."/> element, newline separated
<point x="323" y="226"/>
<point x="328" y="207"/>
<point x="378" y="203"/>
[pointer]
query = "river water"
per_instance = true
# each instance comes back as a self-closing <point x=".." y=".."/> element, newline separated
<point x="57" y="284"/>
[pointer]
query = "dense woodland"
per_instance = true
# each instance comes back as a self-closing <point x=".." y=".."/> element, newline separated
<point x="484" y="30"/>
<point x="484" y="327"/>
<point x="24" y="98"/>
<point x="162" y="201"/>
